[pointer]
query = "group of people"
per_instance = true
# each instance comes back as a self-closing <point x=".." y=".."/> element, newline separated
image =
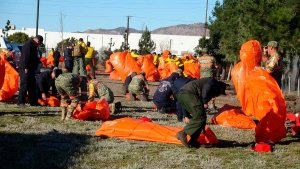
<point x="186" y="96"/>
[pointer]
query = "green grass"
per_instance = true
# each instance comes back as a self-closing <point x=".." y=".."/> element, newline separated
<point x="41" y="140"/>
<point x="35" y="138"/>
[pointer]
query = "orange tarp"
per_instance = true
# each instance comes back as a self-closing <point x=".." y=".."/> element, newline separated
<point x="50" y="60"/>
<point x="192" y="70"/>
<point x="259" y="94"/>
<point x="108" y="67"/>
<point x="166" y="69"/>
<point x="149" y="68"/>
<point x="230" y="116"/>
<point x="9" y="79"/>
<point x="96" y="110"/>
<point x="114" y="75"/>
<point x="51" y="101"/>
<point x="135" y="129"/>
<point x="124" y="64"/>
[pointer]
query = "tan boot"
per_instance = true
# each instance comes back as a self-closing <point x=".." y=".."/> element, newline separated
<point x="63" y="113"/>
<point x="112" y="108"/>
<point x="70" y="111"/>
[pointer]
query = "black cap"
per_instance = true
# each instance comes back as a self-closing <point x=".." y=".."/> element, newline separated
<point x="40" y="38"/>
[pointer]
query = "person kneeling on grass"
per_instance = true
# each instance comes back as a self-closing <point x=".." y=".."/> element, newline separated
<point x="163" y="96"/>
<point x="139" y="87"/>
<point x="67" y="86"/>
<point x="127" y="82"/>
<point x="194" y="97"/>
<point x="96" y="88"/>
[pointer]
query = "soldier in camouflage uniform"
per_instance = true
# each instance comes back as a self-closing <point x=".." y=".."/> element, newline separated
<point x="208" y="68"/>
<point x="207" y="64"/>
<point x="274" y="65"/>
<point x="67" y="86"/>
<point x="139" y="86"/>
<point x="96" y="88"/>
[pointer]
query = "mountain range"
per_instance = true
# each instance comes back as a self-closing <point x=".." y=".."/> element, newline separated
<point x="196" y="29"/>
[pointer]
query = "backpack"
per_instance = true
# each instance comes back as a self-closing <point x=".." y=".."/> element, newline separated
<point x="78" y="50"/>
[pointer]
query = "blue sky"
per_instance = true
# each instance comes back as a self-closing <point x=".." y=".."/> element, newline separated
<point x="80" y="15"/>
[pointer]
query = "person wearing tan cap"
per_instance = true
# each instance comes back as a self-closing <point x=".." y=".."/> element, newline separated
<point x="274" y="64"/>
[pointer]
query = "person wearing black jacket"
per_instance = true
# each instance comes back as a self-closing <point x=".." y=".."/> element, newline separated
<point x="46" y="80"/>
<point x="194" y="97"/>
<point x="56" y="56"/>
<point x="68" y="58"/>
<point x="28" y="64"/>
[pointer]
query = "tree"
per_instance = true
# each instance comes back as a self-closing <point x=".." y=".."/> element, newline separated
<point x="146" y="45"/>
<point x="66" y="42"/>
<point x="18" y="37"/>
<point x="234" y="22"/>
<point x="7" y="27"/>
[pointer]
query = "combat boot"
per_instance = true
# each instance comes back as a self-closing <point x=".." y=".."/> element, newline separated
<point x="112" y="108"/>
<point x="69" y="112"/>
<point x="118" y="106"/>
<point x="63" y="113"/>
<point x="144" y="98"/>
<point x="182" y="136"/>
<point x="131" y="97"/>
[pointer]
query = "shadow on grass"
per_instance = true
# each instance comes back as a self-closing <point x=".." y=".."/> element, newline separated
<point x="51" y="150"/>
<point x="44" y="113"/>
<point x="228" y="144"/>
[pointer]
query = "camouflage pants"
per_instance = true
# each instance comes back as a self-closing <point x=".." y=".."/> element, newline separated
<point x="67" y="90"/>
<point x="79" y="66"/>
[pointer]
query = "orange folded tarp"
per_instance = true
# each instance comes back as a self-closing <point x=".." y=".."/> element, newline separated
<point x="9" y="79"/>
<point x="233" y="117"/>
<point x="135" y="129"/>
<point x="96" y="110"/>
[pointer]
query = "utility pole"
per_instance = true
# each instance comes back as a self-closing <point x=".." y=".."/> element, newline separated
<point x="111" y="44"/>
<point x="127" y="33"/>
<point x="205" y="25"/>
<point x="37" y="17"/>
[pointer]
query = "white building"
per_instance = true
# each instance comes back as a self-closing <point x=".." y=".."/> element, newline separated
<point x="177" y="44"/>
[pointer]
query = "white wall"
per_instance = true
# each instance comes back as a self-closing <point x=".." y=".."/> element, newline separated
<point x="179" y="44"/>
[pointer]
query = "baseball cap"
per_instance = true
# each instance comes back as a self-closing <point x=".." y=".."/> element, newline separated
<point x="273" y="44"/>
